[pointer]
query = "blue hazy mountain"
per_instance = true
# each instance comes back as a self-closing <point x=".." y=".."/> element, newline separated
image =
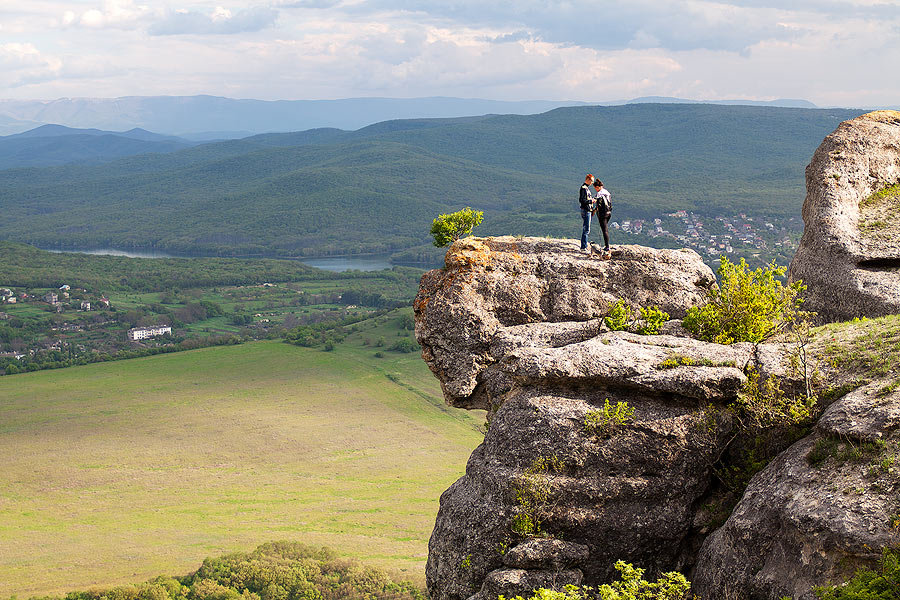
<point x="206" y="118"/>
<point x="217" y="117"/>
<point x="50" y="145"/>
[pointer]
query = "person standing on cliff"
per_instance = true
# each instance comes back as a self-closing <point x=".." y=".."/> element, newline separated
<point x="603" y="200"/>
<point x="586" y="202"/>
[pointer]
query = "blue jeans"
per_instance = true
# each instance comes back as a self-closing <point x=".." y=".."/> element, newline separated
<point x="585" y="228"/>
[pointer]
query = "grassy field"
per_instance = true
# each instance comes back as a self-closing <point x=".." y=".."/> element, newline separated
<point x="117" y="472"/>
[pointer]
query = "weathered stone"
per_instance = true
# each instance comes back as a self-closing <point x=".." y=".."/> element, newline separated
<point x="547" y="554"/>
<point x="514" y="326"/>
<point x="799" y="525"/>
<point x="490" y="284"/>
<point x="519" y="582"/>
<point x="864" y="414"/>
<point x="849" y="256"/>
<point x="625" y="494"/>
<point x="628" y="493"/>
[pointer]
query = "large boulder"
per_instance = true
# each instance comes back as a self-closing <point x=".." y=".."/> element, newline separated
<point x="849" y="256"/>
<point x="466" y="313"/>
<point x="632" y="491"/>
<point x="823" y="508"/>
<point x="514" y="326"/>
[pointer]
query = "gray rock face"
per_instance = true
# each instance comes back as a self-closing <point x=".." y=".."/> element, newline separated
<point x="514" y="327"/>
<point x="849" y="256"/>
<point x="555" y="494"/>
<point x="808" y="519"/>
<point x="467" y="313"/>
<point x="511" y="582"/>
<point x="546" y="553"/>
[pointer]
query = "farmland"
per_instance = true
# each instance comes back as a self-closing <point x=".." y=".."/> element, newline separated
<point x="117" y="472"/>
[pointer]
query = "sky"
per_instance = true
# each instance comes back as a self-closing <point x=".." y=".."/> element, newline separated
<point x="830" y="52"/>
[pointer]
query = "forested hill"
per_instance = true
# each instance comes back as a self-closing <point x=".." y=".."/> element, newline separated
<point x="376" y="189"/>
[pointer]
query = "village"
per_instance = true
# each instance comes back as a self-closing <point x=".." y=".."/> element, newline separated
<point x="91" y="313"/>
<point x="712" y="237"/>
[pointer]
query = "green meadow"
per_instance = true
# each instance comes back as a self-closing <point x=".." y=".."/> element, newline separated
<point x="119" y="472"/>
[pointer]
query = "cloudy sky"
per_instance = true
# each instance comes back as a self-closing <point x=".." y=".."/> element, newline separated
<point x="831" y="52"/>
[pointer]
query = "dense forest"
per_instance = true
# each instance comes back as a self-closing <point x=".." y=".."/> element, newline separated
<point x="329" y="191"/>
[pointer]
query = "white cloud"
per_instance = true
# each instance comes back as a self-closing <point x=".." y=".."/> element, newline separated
<point x="113" y="13"/>
<point x="21" y="63"/>
<point x="828" y="51"/>
<point x="218" y="21"/>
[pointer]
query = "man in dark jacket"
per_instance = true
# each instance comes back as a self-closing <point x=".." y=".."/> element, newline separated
<point x="586" y="202"/>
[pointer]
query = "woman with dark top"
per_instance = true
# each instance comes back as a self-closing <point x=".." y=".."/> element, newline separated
<point x="604" y="211"/>
<point x="586" y="203"/>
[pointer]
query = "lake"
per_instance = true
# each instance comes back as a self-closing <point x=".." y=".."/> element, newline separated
<point x="337" y="264"/>
<point x="114" y="252"/>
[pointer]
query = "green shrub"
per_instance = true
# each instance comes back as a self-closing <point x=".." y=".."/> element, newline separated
<point x="622" y="317"/>
<point x="607" y="420"/>
<point x="446" y="229"/>
<point x="748" y="306"/>
<point x="619" y="316"/>
<point x="680" y="360"/>
<point x="405" y="345"/>
<point x="631" y="586"/>
<point x="274" y="571"/>
<point x="868" y="584"/>
<point x="534" y="490"/>
<point x="767" y="405"/>
<point x="652" y="319"/>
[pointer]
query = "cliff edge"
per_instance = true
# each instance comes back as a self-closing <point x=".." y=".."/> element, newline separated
<point x="605" y="445"/>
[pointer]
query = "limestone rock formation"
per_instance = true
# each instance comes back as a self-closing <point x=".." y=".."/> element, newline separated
<point x="496" y="294"/>
<point x="820" y="510"/>
<point x="513" y="326"/>
<point x="560" y="489"/>
<point x="849" y="256"/>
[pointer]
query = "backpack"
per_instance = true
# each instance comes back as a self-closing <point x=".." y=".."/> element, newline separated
<point x="604" y="202"/>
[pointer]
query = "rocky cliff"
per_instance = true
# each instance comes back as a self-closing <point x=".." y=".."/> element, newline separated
<point x="849" y="256"/>
<point x="568" y="480"/>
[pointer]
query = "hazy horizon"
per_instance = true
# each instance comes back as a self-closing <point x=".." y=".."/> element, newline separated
<point x="831" y="53"/>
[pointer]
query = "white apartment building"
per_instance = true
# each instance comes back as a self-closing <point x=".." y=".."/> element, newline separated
<point x="142" y="333"/>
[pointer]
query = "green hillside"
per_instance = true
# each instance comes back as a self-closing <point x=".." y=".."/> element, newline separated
<point x="115" y="473"/>
<point x="377" y="189"/>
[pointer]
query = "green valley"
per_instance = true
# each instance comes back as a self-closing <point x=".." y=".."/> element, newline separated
<point x="65" y="309"/>
<point x="117" y="472"/>
<point x="328" y="192"/>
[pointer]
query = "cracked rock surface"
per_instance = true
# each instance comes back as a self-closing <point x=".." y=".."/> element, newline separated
<point x="513" y="326"/>
<point x="817" y="512"/>
<point x="556" y="494"/>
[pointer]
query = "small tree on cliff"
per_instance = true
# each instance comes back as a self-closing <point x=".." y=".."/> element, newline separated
<point x="749" y="306"/>
<point x="446" y="229"/>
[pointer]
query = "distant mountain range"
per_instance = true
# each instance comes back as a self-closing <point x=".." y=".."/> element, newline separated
<point x="331" y="191"/>
<point x="204" y="118"/>
<point x="50" y="145"/>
